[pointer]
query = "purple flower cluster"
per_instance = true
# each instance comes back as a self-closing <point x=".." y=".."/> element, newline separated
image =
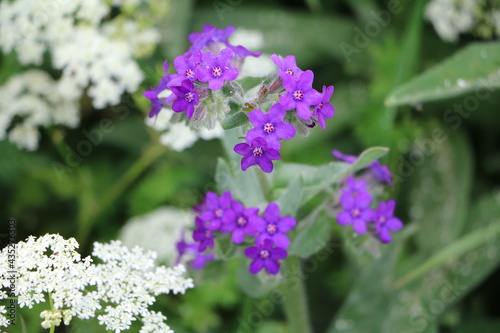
<point x="223" y="214"/>
<point x="310" y="105"/>
<point x="356" y="201"/>
<point x="295" y="92"/>
<point x="207" y="65"/>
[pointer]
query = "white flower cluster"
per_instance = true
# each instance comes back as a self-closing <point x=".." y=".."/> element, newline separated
<point x="158" y="230"/>
<point x="39" y="101"/>
<point x="454" y="17"/>
<point x="124" y="284"/>
<point x="179" y="136"/>
<point x="92" y="48"/>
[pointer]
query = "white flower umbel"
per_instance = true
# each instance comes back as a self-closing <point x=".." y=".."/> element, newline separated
<point x="94" y="49"/>
<point x="451" y="18"/>
<point x="158" y="230"/>
<point x="124" y="285"/>
<point x="179" y="136"/>
<point x="33" y="97"/>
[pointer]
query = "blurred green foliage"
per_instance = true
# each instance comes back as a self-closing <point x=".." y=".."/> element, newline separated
<point x="445" y="160"/>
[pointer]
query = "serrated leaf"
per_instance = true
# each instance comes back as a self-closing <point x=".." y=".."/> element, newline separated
<point x="312" y="238"/>
<point x="475" y="67"/>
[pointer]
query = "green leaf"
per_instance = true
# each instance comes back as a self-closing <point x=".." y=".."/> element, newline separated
<point x="291" y="199"/>
<point x="475" y="67"/>
<point x="313" y="237"/>
<point x="441" y="167"/>
<point x="235" y="119"/>
<point x="250" y="82"/>
<point x="317" y="178"/>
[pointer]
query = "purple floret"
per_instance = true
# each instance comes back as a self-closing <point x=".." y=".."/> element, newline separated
<point x="385" y="221"/>
<point x="216" y="69"/>
<point x="324" y="110"/>
<point x="203" y="236"/>
<point x="265" y="255"/>
<point x="270" y="126"/>
<point x="216" y="211"/>
<point x="288" y="66"/>
<point x="242" y="224"/>
<point x="273" y="226"/>
<point x="187" y="98"/>
<point x="257" y="153"/>
<point x="300" y="95"/>
<point x="186" y="65"/>
<point x="158" y="103"/>
<point x="209" y="35"/>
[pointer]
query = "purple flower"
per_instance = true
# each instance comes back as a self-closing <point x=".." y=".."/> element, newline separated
<point x="184" y="248"/>
<point x="288" y="66"/>
<point x="158" y="103"/>
<point x="385" y="221"/>
<point x="273" y="226"/>
<point x="187" y="98"/>
<point x="270" y="126"/>
<point x="209" y="35"/>
<point x="381" y="172"/>
<point x="346" y="158"/>
<point x="265" y="255"/>
<point x="324" y="110"/>
<point x="216" y="69"/>
<point x="257" y="152"/>
<point x="242" y="223"/>
<point x="355" y="201"/>
<point x="242" y="52"/>
<point x="299" y="94"/>
<point x="186" y="65"/>
<point x="201" y="259"/>
<point x="216" y="211"/>
<point x="203" y="235"/>
<point x="357" y="215"/>
<point x="355" y="193"/>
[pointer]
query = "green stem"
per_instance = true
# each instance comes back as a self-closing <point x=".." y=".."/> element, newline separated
<point x="51" y="303"/>
<point x="112" y="194"/>
<point x="453" y="250"/>
<point x="294" y="297"/>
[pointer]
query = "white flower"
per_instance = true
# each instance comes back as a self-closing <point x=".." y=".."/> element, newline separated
<point x="124" y="284"/>
<point x="158" y="230"/>
<point x="93" y="49"/>
<point x="179" y="136"/>
<point x="33" y="96"/>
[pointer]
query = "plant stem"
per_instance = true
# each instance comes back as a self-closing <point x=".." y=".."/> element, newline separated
<point x="51" y="303"/>
<point x="149" y="155"/>
<point x="294" y="297"/>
